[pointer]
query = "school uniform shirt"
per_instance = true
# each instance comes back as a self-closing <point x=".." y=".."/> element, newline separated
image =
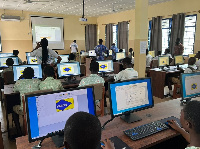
<point x="51" y="83"/>
<point x="192" y="147"/>
<point x="189" y="70"/>
<point x="115" y="49"/>
<point x="148" y="60"/>
<point x="73" y="47"/>
<point x="178" y="50"/>
<point x="127" y="74"/>
<point x="100" y="50"/>
<point x="92" y="79"/>
<point x="198" y="64"/>
<point x="25" y="86"/>
<point x="10" y="68"/>
<point x="51" y="55"/>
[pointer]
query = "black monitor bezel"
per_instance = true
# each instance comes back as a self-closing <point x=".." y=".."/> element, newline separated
<point x="143" y="108"/>
<point x="50" y="92"/>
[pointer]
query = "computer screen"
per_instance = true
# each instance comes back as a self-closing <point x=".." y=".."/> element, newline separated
<point x="129" y="96"/>
<point x="190" y="83"/>
<point x="3" y="61"/>
<point x="48" y="112"/>
<point x="28" y="53"/>
<point x="179" y="59"/>
<point x="192" y="55"/>
<point x="65" y="58"/>
<point x="152" y="53"/>
<point x="67" y="69"/>
<point x="32" y="60"/>
<point x="92" y="53"/>
<point x="18" y="71"/>
<point x="120" y="55"/>
<point x="163" y="61"/>
<point x="105" y="66"/>
<point x="6" y="54"/>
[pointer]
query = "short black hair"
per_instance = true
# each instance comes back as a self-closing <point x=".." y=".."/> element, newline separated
<point x="147" y="51"/>
<point x="127" y="61"/>
<point x="191" y="61"/>
<point x="120" y="50"/>
<point x="74" y="41"/>
<point x="15" y="52"/>
<point x="72" y="56"/>
<point x="131" y="50"/>
<point x="82" y="131"/>
<point x="28" y="73"/>
<point x="9" y="62"/>
<point x="167" y="50"/>
<point x="159" y="53"/>
<point x="49" y="71"/>
<point x="192" y="114"/>
<point x="94" y="66"/>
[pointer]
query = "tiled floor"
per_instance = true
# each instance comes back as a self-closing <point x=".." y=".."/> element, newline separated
<point x="12" y="144"/>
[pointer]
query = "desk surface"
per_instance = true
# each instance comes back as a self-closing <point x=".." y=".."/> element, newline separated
<point x="117" y="126"/>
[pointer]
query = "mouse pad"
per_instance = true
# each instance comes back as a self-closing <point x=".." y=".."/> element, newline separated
<point x="171" y="118"/>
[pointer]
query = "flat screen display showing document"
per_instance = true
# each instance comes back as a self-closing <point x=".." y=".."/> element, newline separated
<point x="190" y="84"/>
<point x="32" y="60"/>
<point x="120" y="55"/>
<point x="67" y="69"/>
<point x="6" y="54"/>
<point x="192" y="55"/>
<point x="129" y="96"/>
<point x="3" y="61"/>
<point x="163" y="61"/>
<point x="18" y="71"/>
<point x="48" y="112"/>
<point x="179" y="59"/>
<point x="92" y="53"/>
<point x="152" y="53"/>
<point x="105" y="66"/>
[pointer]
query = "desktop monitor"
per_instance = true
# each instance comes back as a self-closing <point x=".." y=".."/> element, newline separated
<point x="163" y="61"/>
<point x="124" y="50"/>
<point x="190" y="83"/>
<point x="152" y="53"/>
<point x="68" y="69"/>
<point x="110" y="52"/>
<point x="179" y="59"/>
<point x="130" y="96"/>
<point x="18" y="71"/>
<point x="120" y="55"/>
<point x="32" y="60"/>
<point x="92" y="53"/>
<point x="3" y="61"/>
<point x="65" y="58"/>
<point x="192" y="55"/>
<point x="105" y="66"/>
<point x="28" y="53"/>
<point x="6" y="54"/>
<point x="48" y="112"/>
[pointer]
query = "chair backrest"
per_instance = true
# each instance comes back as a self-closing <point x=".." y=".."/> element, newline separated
<point x="98" y="89"/>
<point x="8" y="77"/>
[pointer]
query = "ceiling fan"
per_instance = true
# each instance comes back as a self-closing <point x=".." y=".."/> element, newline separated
<point x="29" y="1"/>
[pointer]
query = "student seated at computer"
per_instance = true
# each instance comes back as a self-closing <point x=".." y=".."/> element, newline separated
<point x="131" y="55"/>
<point x="149" y="58"/>
<point x="128" y="73"/>
<point x="159" y="53"/>
<point x="190" y="121"/>
<point x="93" y="78"/>
<point x="9" y="63"/>
<point x="197" y="56"/>
<point x="83" y="131"/>
<point x="50" y="82"/>
<point x="167" y="53"/>
<point x="16" y="53"/>
<point x="72" y="57"/>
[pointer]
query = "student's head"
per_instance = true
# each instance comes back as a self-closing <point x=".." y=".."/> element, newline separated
<point x="159" y="53"/>
<point x="100" y="41"/>
<point x="15" y="52"/>
<point x="44" y="44"/>
<point x="72" y="56"/>
<point x="178" y="41"/>
<point x="94" y="67"/>
<point x="197" y="55"/>
<point x="147" y="51"/>
<point x="28" y="73"/>
<point x="127" y="63"/>
<point x="190" y="117"/>
<point x="9" y="62"/>
<point x="191" y="61"/>
<point x="167" y="51"/>
<point x="74" y="41"/>
<point x="113" y="44"/>
<point x="82" y="131"/>
<point x="120" y="50"/>
<point x="49" y="71"/>
<point x="130" y="50"/>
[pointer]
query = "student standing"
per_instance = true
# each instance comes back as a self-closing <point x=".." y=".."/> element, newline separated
<point x="74" y="47"/>
<point x="100" y="50"/>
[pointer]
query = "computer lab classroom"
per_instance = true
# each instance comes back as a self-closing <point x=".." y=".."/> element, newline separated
<point x="133" y="64"/>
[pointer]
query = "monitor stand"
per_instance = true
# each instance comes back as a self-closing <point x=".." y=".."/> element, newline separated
<point x="58" y="140"/>
<point x="130" y="118"/>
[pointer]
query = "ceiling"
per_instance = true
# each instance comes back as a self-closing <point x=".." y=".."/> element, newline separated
<point x="74" y="7"/>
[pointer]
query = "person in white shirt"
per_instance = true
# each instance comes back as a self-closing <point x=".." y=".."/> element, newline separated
<point x="191" y="65"/>
<point x="167" y="53"/>
<point x="128" y="73"/>
<point x="43" y="54"/>
<point x="74" y="47"/>
<point x="158" y="54"/>
<point x="148" y="58"/>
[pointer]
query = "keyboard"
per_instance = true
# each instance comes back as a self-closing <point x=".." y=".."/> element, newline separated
<point x="145" y="130"/>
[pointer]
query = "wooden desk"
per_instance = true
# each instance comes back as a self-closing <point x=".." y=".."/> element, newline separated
<point x="158" y="82"/>
<point x="117" y="126"/>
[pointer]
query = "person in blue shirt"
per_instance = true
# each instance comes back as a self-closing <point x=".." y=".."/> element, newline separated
<point x="100" y="50"/>
<point x="114" y="50"/>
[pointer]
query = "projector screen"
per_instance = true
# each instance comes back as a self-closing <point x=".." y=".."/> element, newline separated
<point x="50" y="28"/>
